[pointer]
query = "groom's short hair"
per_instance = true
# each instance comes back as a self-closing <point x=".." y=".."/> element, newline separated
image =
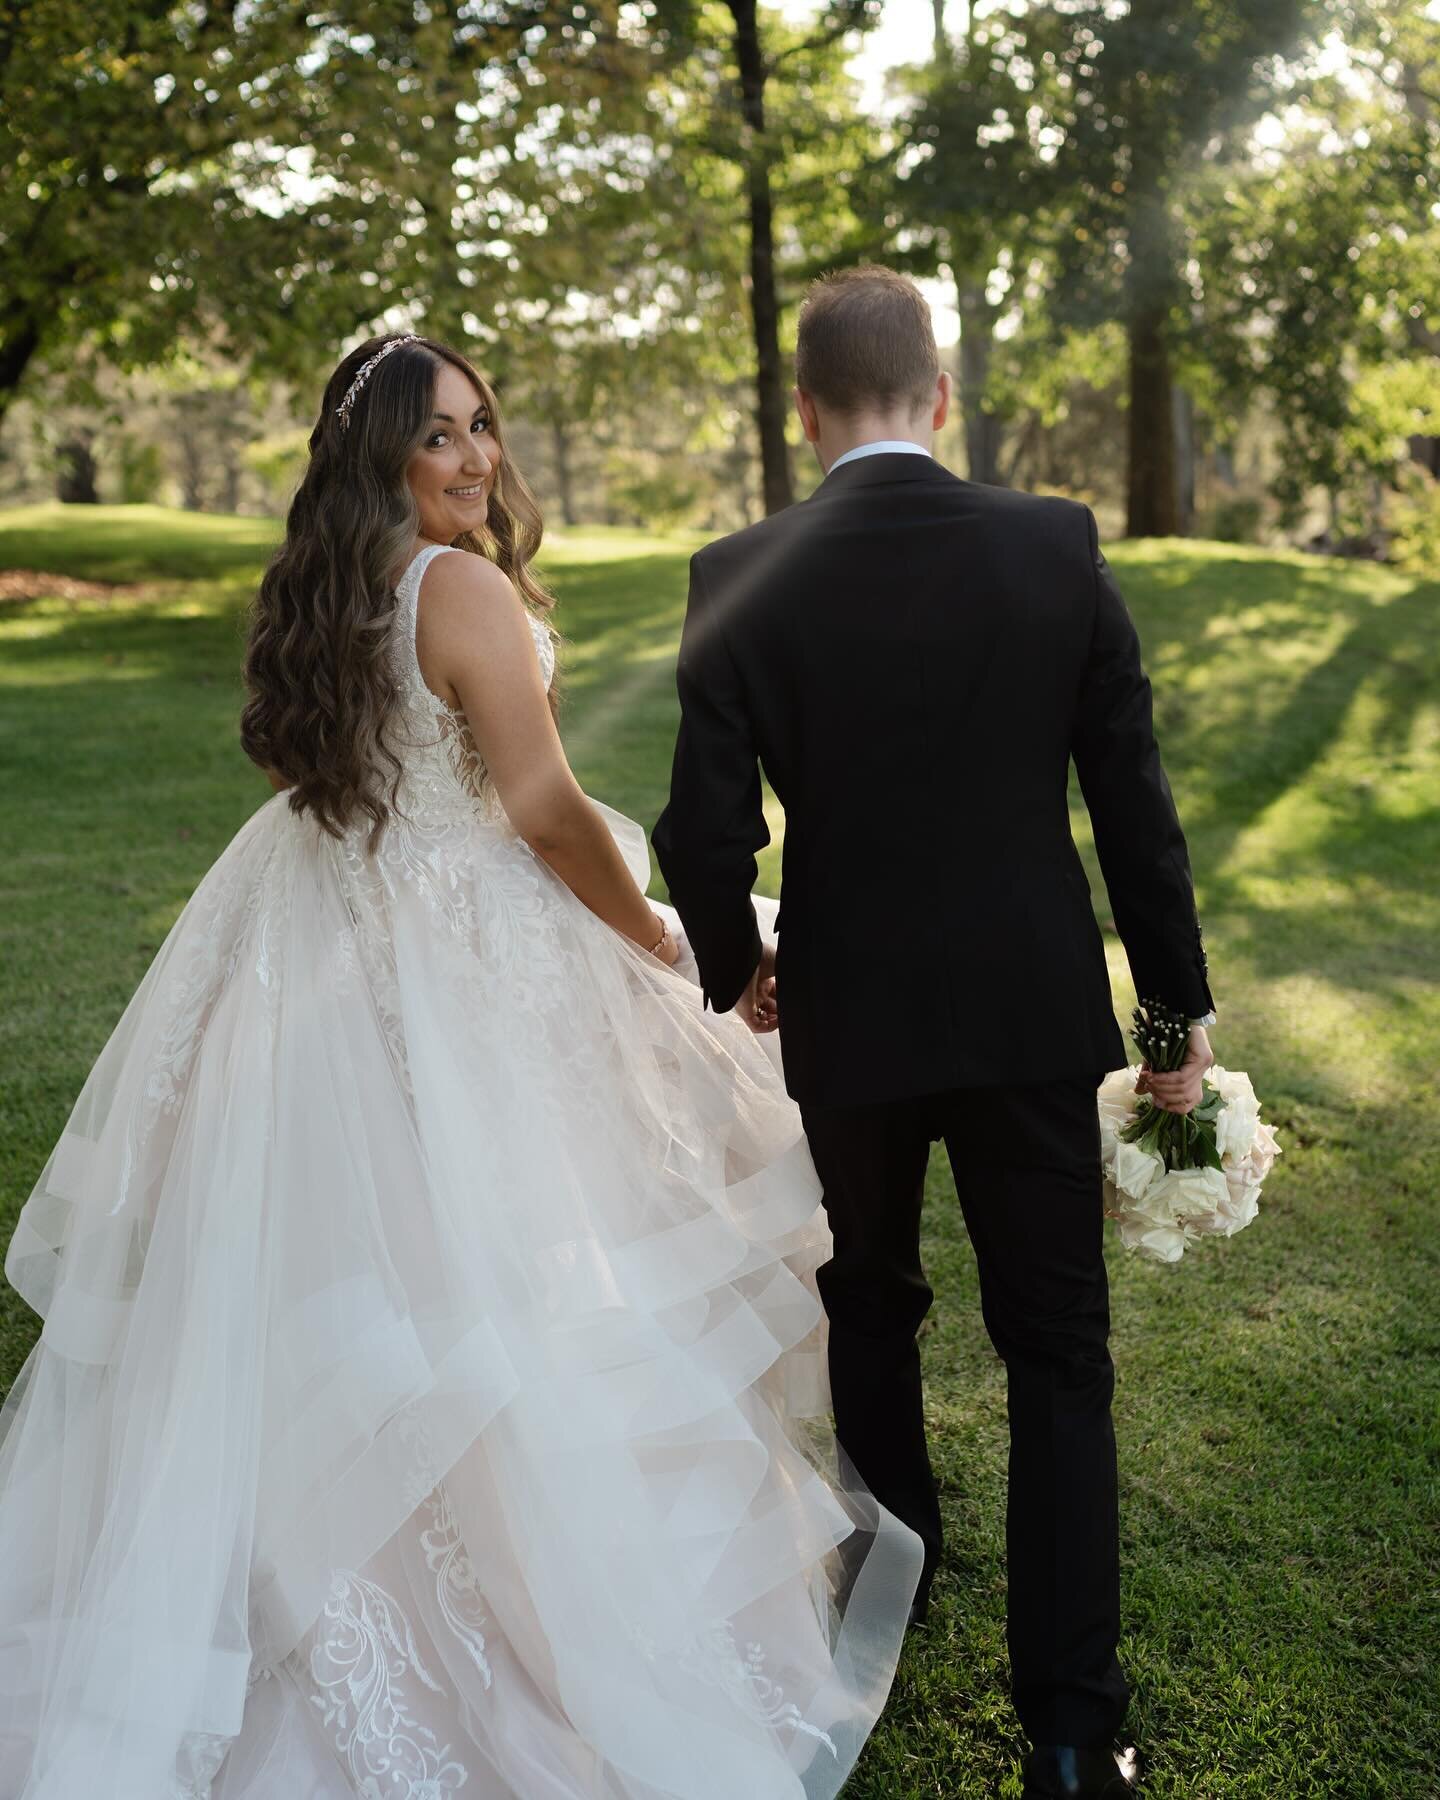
<point x="865" y="341"/>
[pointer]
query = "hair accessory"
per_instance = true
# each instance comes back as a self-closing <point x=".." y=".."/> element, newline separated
<point x="342" y="411"/>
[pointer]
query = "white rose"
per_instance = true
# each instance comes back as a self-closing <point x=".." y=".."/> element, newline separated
<point x="1199" y="1193"/>
<point x="1233" y="1084"/>
<point x="1264" y="1150"/>
<point x="1135" y="1169"/>
<point x="1235" y="1205"/>
<point x="1235" y="1127"/>
<point x="1115" y="1102"/>
<point x="1225" y="1207"/>
<point x="1110" y="1129"/>
<point x="1242" y="1209"/>
<point x="1160" y="1243"/>
<point x="1118" y="1088"/>
<point x="1157" y="1203"/>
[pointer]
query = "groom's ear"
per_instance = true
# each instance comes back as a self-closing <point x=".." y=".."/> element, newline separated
<point x="809" y="418"/>
<point x="943" y="389"/>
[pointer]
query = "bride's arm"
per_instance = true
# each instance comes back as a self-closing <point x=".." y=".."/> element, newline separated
<point x="476" y="636"/>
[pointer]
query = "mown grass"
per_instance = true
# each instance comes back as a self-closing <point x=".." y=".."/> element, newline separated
<point x="1277" y="1395"/>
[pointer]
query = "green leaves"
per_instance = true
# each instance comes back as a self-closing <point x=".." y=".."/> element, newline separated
<point x="1182" y="1140"/>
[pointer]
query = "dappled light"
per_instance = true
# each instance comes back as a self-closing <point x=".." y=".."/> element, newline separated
<point x="615" y="298"/>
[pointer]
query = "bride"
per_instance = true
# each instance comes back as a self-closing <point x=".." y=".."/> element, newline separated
<point x="431" y="1398"/>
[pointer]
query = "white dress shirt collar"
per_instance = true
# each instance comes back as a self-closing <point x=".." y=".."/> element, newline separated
<point x="881" y="445"/>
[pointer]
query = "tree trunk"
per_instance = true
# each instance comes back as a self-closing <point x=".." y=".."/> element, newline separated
<point x="1149" y="285"/>
<point x="1183" y="408"/>
<point x="1023" y="450"/>
<point x="982" y="429"/>
<point x="192" y="469"/>
<point x="764" y="301"/>
<point x="1426" y="451"/>
<point x="230" y="493"/>
<point x="1150" y="480"/>
<point x="75" y="477"/>
<point x="17" y="346"/>
<point x="564" y="475"/>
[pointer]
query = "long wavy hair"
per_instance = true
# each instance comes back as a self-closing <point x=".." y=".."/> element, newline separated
<point x="321" y="690"/>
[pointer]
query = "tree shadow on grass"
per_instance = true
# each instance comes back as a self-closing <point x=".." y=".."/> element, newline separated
<point x="620" y="616"/>
<point x="1272" y="1435"/>
<point x="1238" y="759"/>
<point x="138" y="543"/>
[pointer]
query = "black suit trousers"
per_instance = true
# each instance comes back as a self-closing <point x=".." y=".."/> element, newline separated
<point x="1026" y="1162"/>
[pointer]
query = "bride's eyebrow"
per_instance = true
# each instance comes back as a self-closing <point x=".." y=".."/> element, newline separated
<point x="481" y="408"/>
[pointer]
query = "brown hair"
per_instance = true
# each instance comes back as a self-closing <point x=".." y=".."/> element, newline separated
<point x="865" y="340"/>
<point x="317" y="670"/>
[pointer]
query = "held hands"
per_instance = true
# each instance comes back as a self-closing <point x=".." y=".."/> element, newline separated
<point x="757" y="1006"/>
<point x="1179" y="1090"/>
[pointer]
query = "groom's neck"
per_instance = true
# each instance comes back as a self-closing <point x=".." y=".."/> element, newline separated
<point x="837" y="436"/>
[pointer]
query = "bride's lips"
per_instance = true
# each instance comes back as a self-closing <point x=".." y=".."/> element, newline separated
<point x="481" y="492"/>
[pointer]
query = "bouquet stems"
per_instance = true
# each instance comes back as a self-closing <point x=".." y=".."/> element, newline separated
<point x="1181" y="1140"/>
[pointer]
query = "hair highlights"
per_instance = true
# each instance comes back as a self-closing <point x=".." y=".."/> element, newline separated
<point x="321" y="691"/>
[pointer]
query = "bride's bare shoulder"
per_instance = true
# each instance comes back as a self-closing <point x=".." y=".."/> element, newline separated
<point x="469" y="611"/>
<point x="465" y="577"/>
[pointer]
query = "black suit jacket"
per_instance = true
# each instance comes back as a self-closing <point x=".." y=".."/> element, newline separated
<point x="914" y="660"/>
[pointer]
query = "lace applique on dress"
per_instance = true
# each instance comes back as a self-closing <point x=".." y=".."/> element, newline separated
<point x="243" y="907"/>
<point x="453" y="735"/>
<point x="715" y="1657"/>
<point x="457" y="1586"/>
<point x="444" y="798"/>
<point x="197" y="1763"/>
<point x="360" y="1665"/>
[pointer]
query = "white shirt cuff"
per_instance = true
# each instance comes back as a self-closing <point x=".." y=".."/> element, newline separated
<point x="1209" y="1019"/>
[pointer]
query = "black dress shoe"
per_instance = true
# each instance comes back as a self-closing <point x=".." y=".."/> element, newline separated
<point x="919" y="1612"/>
<point x="1075" y="1772"/>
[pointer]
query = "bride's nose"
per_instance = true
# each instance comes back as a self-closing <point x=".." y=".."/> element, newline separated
<point x="488" y="461"/>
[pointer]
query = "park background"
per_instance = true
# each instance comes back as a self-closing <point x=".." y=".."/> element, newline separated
<point x="1185" y="262"/>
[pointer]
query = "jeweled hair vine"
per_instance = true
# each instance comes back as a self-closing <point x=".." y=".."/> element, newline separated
<point x="342" y="411"/>
<point x="320" y="684"/>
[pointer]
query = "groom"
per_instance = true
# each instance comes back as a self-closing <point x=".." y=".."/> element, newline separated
<point x="915" y="661"/>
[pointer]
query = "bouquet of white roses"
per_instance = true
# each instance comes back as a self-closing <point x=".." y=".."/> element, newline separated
<point x="1171" y="1178"/>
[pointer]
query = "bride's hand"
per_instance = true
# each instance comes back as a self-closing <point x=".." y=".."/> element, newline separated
<point x="757" y="1006"/>
<point x="667" y="949"/>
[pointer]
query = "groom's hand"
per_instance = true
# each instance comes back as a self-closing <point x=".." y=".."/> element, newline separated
<point x="757" y="1006"/>
<point x="1179" y="1090"/>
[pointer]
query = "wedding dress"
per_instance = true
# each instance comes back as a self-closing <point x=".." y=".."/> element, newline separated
<point x="431" y="1398"/>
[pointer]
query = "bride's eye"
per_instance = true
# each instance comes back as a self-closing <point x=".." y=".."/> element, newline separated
<point x="439" y="437"/>
<point x="481" y="425"/>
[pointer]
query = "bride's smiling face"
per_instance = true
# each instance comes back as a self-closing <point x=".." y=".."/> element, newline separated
<point x="453" y="471"/>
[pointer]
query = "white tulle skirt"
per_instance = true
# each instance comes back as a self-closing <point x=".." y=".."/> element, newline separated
<point x="432" y="1393"/>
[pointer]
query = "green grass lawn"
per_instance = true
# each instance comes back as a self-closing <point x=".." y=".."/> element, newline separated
<point x="1277" y="1395"/>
